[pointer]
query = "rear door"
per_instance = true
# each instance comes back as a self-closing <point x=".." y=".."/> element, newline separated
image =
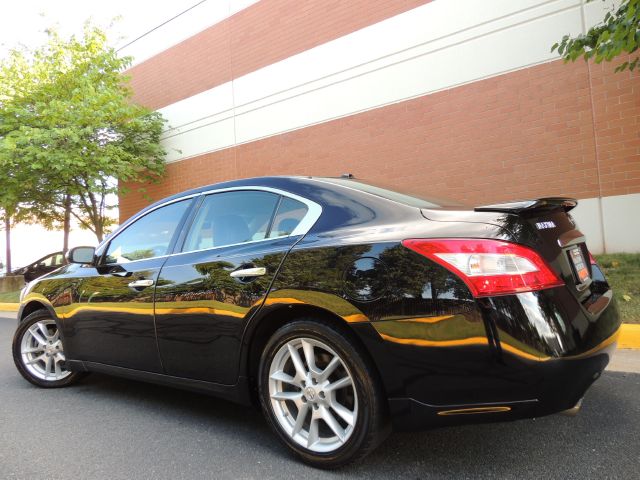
<point x="219" y="276"/>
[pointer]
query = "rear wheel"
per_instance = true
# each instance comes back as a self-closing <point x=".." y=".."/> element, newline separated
<point x="320" y="394"/>
<point x="38" y="352"/>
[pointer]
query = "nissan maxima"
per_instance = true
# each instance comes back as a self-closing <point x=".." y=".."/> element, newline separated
<point x="342" y="309"/>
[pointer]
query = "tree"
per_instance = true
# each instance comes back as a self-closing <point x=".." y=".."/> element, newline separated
<point x="12" y="208"/>
<point x="68" y="124"/>
<point x="619" y="32"/>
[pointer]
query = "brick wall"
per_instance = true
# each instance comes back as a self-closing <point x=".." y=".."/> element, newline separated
<point x="616" y="107"/>
<point x="552" y="129"/>
<point x="269" y="31"/>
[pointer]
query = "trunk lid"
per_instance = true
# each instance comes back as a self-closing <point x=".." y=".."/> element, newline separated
<point x="543" y="224"/>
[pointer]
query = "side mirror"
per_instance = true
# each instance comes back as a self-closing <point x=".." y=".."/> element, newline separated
<point x="81" y="255"/>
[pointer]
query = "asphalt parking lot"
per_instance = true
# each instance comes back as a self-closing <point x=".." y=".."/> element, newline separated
<point x="109" y="428"/>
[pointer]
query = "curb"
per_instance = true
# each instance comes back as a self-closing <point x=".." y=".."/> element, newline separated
<point x="9" y="307"/>
<point x="629" y="332"/>
<point x="629" y="336"/>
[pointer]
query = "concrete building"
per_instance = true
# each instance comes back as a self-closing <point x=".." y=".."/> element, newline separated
<point x="452" y="98"/>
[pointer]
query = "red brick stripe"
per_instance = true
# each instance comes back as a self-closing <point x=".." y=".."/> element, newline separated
<point x="525" y="134"/>
<point x="262" y="34"/>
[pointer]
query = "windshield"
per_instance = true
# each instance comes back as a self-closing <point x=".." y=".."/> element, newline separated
<point x="419" y="201"/>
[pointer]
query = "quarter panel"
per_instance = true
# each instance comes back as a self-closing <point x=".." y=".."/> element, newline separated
<point x="423" y="328"/>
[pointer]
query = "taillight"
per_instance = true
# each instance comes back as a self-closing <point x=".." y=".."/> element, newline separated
<point x="489" y="267"/>
<point x="592" y="259"/>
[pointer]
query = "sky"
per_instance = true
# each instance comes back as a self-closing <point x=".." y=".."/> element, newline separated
<point x="23" y="23"/>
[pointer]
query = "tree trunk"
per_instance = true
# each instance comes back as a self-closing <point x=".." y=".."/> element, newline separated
<point x="99" y="230"/>
<point x="7" y="232"/>
<point x="67" y="224"/>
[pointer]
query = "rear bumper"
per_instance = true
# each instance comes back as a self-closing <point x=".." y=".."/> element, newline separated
<point x="561" y="384"/>
<point x="530" y="354"/>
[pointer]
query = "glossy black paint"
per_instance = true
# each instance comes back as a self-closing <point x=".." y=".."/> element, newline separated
<point x="435" y="346"/>
<point x="201" y="310"/>
<point x="111" y="323"/>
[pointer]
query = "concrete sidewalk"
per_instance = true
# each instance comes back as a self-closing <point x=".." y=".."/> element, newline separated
<point x="623" y="361"/>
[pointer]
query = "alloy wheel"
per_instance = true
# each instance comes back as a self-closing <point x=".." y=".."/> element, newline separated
<point x="42" y="353"/>
<point x="313" y="395"/>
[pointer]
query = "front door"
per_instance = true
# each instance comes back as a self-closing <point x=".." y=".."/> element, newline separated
<point x="207" y="292"/>
<point x="112" y="319"/>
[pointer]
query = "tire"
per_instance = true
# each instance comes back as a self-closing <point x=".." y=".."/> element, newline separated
<point x="39" y="357"/>
<point x="350" y="417"/>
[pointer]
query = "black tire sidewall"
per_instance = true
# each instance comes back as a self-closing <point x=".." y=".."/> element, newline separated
<point x="364" y="437"/>
<point x="17" y="354"/>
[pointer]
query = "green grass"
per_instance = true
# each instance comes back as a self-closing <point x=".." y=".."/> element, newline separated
<point x="623" y="273"/>
<point x="10" y="297"/>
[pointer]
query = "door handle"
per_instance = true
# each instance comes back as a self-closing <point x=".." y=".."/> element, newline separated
<point x="141" y="283"/>
<point x="249" y="272"/>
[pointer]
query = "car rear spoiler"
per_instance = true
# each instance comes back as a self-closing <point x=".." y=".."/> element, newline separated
<point x="526" y="206"/>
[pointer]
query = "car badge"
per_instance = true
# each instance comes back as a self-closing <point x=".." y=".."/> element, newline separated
<point x="545" y="225"/>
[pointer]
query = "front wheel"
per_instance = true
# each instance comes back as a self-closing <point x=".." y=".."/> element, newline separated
<point x="39" y="354"/>
<point x="320" y="394"/>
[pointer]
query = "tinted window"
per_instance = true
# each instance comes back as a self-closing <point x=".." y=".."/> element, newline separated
<point x="52" y="260"/>
<point x="149" y="236"/>
<point x="231" y="217"/>
<point x="290" y="213"/>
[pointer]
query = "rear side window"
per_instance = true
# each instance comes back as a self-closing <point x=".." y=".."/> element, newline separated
<point x="289" y="215"/>
<point x="149" y="236"/>
<point x="230" y="218"/>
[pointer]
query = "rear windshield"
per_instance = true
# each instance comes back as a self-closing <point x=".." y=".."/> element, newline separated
<point x="410" y="199"/>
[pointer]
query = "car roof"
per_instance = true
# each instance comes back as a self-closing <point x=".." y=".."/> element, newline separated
<point x="285" y="182"/>
<point x="343" y="203"/>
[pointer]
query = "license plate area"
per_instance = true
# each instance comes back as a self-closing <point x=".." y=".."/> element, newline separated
<point x="579" y="265"/>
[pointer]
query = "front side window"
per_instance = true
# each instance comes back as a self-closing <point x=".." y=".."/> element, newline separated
<point x="231" y="217"/>
<point x="48" y="261"/>
<point x="149" y="236"/>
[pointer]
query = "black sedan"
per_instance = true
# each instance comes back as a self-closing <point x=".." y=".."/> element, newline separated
<point x="342" y="308"/>
<point x="43" y="265"/>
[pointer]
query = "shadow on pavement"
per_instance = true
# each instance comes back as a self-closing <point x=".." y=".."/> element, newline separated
<point x="561" y="446"/>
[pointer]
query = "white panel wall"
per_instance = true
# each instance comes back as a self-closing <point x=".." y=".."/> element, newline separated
<point x="192" y="129"/>
<point x="469" y="54"/>
<point x="589" y="221"/>
<point x="437" y="46"/>
<point x="621" y="222"/>
<point x="613" y="226"/>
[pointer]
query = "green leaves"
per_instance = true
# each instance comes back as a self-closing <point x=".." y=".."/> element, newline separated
<point x="619" y="32"/>
<point x="68" y="127"/>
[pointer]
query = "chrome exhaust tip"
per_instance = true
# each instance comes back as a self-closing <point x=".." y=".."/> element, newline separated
<point x="573" y="411"/>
